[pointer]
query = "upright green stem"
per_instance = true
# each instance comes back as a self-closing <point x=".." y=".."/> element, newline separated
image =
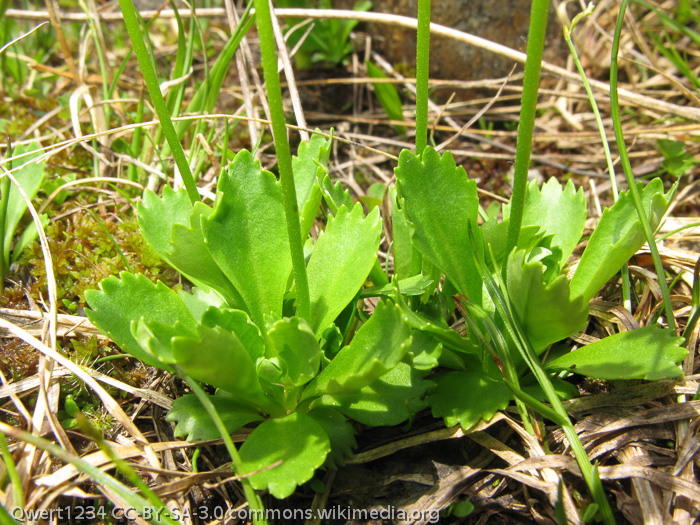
<point x="627" y="167"/>
<point x="528" y="112"/>
<point x="284" y="156"/>
<point x="149" y="75"/>
<point x="422" y="74"/>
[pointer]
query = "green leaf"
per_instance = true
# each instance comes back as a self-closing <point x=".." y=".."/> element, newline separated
<point x="309" y="167"/>
<point x="158" y="215"/>
<point x="340" y="432"/>
<point x="129" y="298"/>
<point x="494" y="234"/>
<point x="558" y="212"/>
<point x="388" y="97"/>
<point x="461" y="509"/>
<point x="415" y="285"/>
<point x="293" y="348"/>
<point x="189" y="254"/>
<point x="377" y="347"/>
<point x="237" y="322"/>
<point x="390" y="400"/>
<point x="465" y="398"/>
<point x="335" y="195"/>
<point x="341" y="261"/>
<point x="645" y="353"/>
<point x="310" y="210"/>
<point x="156" y="339"/>
<point x="247" y="236"/>
<point x="172" y="227"/>
<point x="425" y="351"/>
<point x="199" y="301"/>
<point x="440" y="202"/>
<point x="217" y="357"/>
<point x="30" y="178"/>
<point x="404" y="253"/>
<point x="617" y="238"/>
<point x="28" y="236"/>
<point x="296" y="440"/>
<point x="70" y="406"/>
<point x="194" y="423"/>
<point x="546" y="311"/>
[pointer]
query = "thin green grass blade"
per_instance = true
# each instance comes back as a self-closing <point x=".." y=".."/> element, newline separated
<point x="135" y="501"/>
<point x="17" y="491"/>
<point x="627" y="167"/>
<point x="254" y="501"/>
<point x="149" y="75"/>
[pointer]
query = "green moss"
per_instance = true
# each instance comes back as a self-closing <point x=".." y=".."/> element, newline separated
<point x="83" y="255"/>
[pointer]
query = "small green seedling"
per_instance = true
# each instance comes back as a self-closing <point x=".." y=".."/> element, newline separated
<point x="328" y="43"/>
<point x="388" y="97"/>
<point x="677" y="161"/>
<point x="13" y="206"/>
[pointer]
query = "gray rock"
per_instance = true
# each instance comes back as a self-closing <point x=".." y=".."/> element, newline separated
<point x="503" y="21"/>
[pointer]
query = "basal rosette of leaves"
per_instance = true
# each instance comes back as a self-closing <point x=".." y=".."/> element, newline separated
<point x="298" y="380"/>
<point x="436" y="218"/>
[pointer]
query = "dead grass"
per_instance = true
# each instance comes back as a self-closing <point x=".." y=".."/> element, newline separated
<point x="645" y="436"/>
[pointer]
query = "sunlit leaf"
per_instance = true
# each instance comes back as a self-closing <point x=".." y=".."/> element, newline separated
<point x="556" y="211"/>
<point x="440" y="202"/>
<point x="617" y="237"/>
<point x="129" y="298"/>
<point x="341" y="261"/>
<point x="247" y="236"/>
<point x="377" y="347"/>
<point x="297" y="441"/>
<point x="546" y="311"/>
<point x="293" y="347"/>
<point x="309" y="167"/>
<point x="172" y="227"/>
<point x="239" y="323"/>
<point x="30" y="178"/>
<point x="335" y="195"/>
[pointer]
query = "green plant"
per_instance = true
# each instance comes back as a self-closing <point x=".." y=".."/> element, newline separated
<point x="677" y="161"/>
<point x="146" y="504"/>
<point x="273" y="321"/>
<point x="513" y="319"/>
<point x="37" y="43"/>
<point x="29" y="175"/>
<point x="328" y="42"/>
<point x="506" y="279"/>
<point x="388" y="97"/>
<point x="240" y="329"/>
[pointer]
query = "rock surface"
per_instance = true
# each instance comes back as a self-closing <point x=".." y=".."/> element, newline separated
<point x="503" y="21"/>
